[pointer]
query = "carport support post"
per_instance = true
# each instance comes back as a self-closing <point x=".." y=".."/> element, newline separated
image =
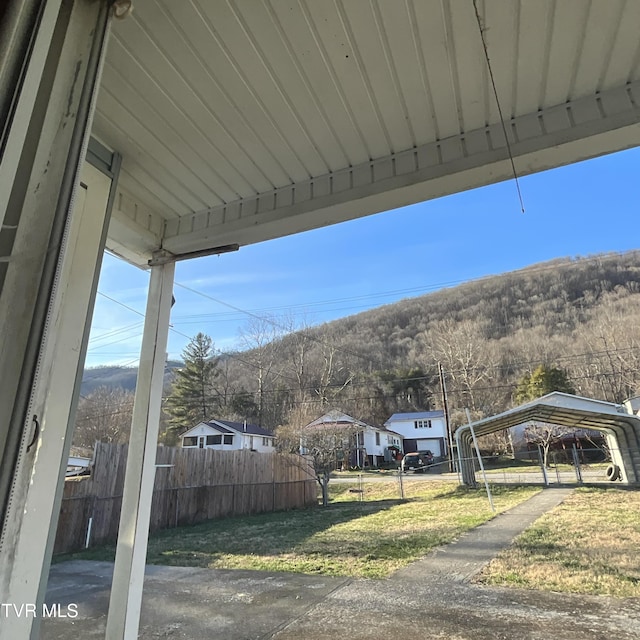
<point x="576" y="463"/>
<point x="484" y="473"/>
<point x="128" y="575"/>
<point x="545" y="478"/>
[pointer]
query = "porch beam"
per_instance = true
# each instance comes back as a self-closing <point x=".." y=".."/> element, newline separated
<point x="556" y="136"/>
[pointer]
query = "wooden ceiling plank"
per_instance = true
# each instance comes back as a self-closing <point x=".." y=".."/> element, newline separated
<point x="535" y="19"/>
<point x="314" y="63"/>
<point x="624" y="62"/>
<point x="436" y="53"/>
<point x="238" y="124"/>
<point x="219" y="169"/>
<point x="407" y="64"/>
<point x="598" y="36"/>
<point x="205" y="107"/>
<point x="470" y="65"/>
<point x="296" y="87"/>
<point x="378" y="68"/>
<point x="246" y="76"/>
<point x="138" y="142"/>
<point x="172" y="146"/>
<point x="333" y="31"/>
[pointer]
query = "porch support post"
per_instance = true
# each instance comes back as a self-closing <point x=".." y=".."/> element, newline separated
<point x="128" y="577"/>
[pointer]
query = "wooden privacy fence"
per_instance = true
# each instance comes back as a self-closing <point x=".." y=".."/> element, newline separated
<point x="194" y="486"/>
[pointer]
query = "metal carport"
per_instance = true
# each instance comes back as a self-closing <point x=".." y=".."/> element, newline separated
<point x="617" y="421"/>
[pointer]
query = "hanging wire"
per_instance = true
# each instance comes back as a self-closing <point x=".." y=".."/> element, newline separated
<point x="495" y="93"/>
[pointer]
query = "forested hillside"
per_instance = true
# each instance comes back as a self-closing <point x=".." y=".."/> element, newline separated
<point x="580" y="315"/>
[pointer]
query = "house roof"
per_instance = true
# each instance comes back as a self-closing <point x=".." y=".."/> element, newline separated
<point x="241" y="427"/>
<point x="229" y="427"/>
<point x="338" y="418"/>
<point x="420" y="415"/>
<point x="335" y="416"/>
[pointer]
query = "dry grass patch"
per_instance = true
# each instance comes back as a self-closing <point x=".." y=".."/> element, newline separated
<point x="588" y="544"/>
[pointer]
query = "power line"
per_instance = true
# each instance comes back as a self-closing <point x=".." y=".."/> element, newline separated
<point x="343" y="400"/>
<point x="255" y="313"/>
<point x="278" y="325"/>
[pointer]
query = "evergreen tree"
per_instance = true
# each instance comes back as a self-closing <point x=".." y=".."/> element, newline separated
<point x="542" y="381"/>
<point x="193" y="395"/>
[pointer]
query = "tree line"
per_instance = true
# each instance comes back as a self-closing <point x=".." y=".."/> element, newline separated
<point x="578" y="316"/>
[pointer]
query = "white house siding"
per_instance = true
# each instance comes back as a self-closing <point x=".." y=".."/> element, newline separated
<point x="366" y="437"/>
<point x="240" y="440"/>
<point x="432" y="438"/>
<point x="376" y="451"/>
<point x="373" y="450"/>
<point x="257" y="443"/>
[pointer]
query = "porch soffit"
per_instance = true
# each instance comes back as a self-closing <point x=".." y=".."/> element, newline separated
<point x="244" y="120"/>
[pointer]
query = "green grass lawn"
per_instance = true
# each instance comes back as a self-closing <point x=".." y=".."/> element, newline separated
<point x="588" y="544"/>
<point x="371" y="538"/>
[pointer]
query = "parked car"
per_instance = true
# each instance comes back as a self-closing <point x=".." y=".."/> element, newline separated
<point x="417" y="461"/>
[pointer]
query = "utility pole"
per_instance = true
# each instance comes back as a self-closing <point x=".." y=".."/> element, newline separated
<point x="445" y="404"/>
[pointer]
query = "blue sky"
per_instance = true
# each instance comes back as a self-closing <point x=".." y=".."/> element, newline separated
<point x="578" y="210"/>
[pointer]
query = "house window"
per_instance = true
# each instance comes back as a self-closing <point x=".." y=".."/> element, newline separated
<point x="228" y="440"/>
<point x="190" y="441"/>
<point x="377" y="439"/>
<point x="214" y="440"/>
<point x="422" y="424"/>
<point x="265" y="442"/>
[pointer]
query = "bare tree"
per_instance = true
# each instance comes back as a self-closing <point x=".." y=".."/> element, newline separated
<point x="499" y="443"/>
<point x="300" y="342"/>
<point x="328" y="446"/>
<point x="333" y="374"/>
<point x="105" y="416"/>
<point x="260" y="339"/>
<point x="544" y="435"/>
<point x="465" y="353"/>
<point x="612" y="370"/>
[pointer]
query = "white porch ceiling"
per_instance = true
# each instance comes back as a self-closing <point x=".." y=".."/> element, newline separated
<point x="244" y="120"/>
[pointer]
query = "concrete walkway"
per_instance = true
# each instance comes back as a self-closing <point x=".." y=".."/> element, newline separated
<point x="431" y="598"/>
<point x="473" y="550"/>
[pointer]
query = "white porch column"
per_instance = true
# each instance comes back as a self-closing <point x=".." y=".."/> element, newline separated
<point x="50" y="252"/>
<point x="128" y="577"/>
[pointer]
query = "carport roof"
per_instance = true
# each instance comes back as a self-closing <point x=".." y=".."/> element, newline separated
<point x="561" y="409"/>
<point x="244" y="120"/>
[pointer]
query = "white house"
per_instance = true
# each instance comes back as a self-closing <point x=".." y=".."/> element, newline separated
<point x="224" y="435"/>
<point x="421" y="431"/>
<point x="377" y="444"/>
